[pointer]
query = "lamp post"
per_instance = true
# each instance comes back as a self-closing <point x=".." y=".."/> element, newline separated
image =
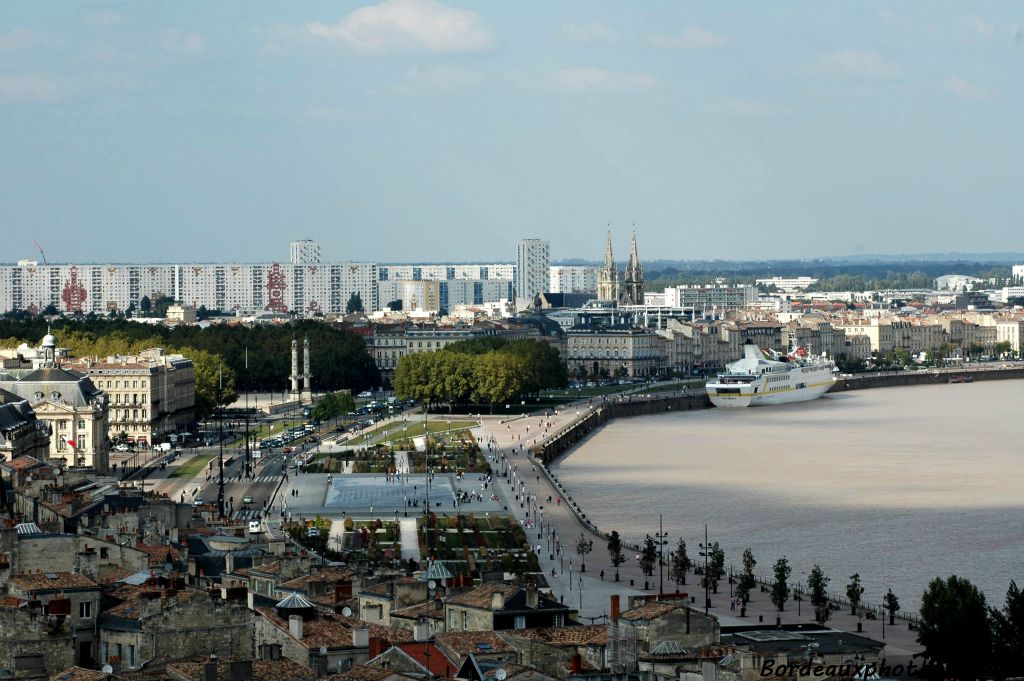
<point x="220" y="429"/>
<point x="705" y="553"/>
<point x="660" y="537"/>
<point x="248" y="455"/>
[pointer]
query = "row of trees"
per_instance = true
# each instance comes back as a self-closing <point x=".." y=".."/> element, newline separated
<point x="237" y="357"/>
<point x="488" y="370"/>
<point x="960" y="633"/>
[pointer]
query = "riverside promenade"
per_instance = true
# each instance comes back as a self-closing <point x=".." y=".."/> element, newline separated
<point x="556" y="527"/>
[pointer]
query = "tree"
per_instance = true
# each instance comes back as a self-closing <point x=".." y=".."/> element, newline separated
<point x="145" y="305"/>
<point x="583" y="547"/>
<point x="954" y="628"/>
<point x="747" y="580"/>
<point x="892" y="604"/>
<point x="1008" y="634"/>
<point x="354" y="304"/>
<point x="648" y="556"/>
<point x="716" y="566"/>
<point x="615" y="554"/>
<point x="215" y="382"/>
<point x="817" y="583"/>
<point x="1003" y="348"/>
<point x="780" y="588"/>
<point x="680" y="564"/>
<point x="50" y="310"/>
<point x="332" y="406"/>
<point x="854" y="591"/>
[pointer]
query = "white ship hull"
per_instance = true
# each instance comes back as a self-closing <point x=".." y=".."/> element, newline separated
<point x="750" y="399"/>
<point x="756" y="380"/>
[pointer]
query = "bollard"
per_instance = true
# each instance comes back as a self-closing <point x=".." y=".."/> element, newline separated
<point x="631" y="582"/>
<point x="693" y="599"/>
<point x="760" y="618"/>
<point x="860" y="627"/>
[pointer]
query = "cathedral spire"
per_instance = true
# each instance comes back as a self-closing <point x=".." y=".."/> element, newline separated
<point x="634" y="258"/>
<point x="609" y="260"/>
<point x="608" y="276"/>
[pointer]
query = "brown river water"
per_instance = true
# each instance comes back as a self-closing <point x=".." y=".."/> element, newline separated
<point x="897" y="484"/>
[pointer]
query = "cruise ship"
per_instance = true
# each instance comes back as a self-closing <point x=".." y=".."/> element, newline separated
<point x="756" y="380"/>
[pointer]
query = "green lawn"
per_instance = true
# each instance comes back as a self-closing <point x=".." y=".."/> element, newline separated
<point x="193" y="466"/>
<point x="398" y="431"/>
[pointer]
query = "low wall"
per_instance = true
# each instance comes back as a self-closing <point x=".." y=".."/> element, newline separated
<point x="603" y="412"/>
<point x="922" y="377"/>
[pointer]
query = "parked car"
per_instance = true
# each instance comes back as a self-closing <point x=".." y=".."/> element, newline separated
<point x="312" y="532"/>
<point x="365" y="395"/>
<point x="247" y="499"/>
<point x="122" y="448"/>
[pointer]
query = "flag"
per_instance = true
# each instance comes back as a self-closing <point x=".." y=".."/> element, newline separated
<point x="72" y="443"/>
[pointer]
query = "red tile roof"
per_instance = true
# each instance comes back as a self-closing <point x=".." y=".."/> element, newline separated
<point x="428" y="655"/>
<point x="50" y="581"/>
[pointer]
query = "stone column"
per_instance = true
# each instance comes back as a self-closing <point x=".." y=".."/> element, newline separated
<point x="295" y="369"/>
<point x="307" y="383"/>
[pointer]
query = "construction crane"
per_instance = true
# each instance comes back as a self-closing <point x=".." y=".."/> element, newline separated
<point x="41" y="252"/>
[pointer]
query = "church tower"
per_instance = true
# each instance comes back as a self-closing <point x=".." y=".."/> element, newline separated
<point x="608" y="276"/>
<point x="633" y="279"/>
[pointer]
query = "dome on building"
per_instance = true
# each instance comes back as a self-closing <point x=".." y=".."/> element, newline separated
<point x="295" y="604"/>
<point x="49" y="341"/>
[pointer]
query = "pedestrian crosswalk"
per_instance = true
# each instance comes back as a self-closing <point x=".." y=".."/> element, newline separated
<point x="261" y="478"/>
<point x="245" y="514"/>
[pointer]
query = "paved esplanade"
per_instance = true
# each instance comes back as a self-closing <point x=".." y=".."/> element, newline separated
<point x="561" y="529"/>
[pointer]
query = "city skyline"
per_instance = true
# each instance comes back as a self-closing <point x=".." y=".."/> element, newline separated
<point x="418" y="131"/>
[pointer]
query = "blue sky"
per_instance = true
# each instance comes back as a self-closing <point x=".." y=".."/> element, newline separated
<point x="411" y="130"/>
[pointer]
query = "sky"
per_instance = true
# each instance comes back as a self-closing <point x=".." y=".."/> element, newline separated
<point x="416" y="130"/>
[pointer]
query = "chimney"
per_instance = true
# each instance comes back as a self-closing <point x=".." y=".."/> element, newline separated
<point x="421" y="631"/>
<point x="615" y="609"/>
<point x="377" y="646"/>
<point x="210" y="669"/>
<point x="497" y="601"/>
<point x="240" y="670"/>
<point x="229" y="563"/>
<point x="532" y="599"/>
<point x="361" y="637"/>
<point x="295" y="626"/>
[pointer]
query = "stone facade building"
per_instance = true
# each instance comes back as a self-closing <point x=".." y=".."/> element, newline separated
<point x="151" y="395"/>
<point x="73" y="407"/>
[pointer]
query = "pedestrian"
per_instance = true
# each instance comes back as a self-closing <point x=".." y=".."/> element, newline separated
<point x="602" y="575"/>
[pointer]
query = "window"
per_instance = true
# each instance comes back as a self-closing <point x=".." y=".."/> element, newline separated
<point x="104" y="552"/>
<point x="559" y="620"/>
<point x="520" y="622"/>
<point x="85" y="610"/>
<point x="130" y="660"/>
<point x="465" y="620"/>
<point x="81" y="424"/>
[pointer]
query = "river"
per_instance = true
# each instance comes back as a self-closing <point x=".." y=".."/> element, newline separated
<point x="899" y="485"/>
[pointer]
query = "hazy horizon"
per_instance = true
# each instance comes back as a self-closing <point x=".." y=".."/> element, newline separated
<point x="416" y="130"/>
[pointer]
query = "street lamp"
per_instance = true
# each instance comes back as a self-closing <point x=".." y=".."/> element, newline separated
<point x="660" y="539"/>
<point x="705" y="553"/>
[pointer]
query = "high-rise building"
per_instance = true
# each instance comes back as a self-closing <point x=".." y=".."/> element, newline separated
<point x="305" y="252"/>
<point x="572" y="279"/>
<point x="532" y="264"/>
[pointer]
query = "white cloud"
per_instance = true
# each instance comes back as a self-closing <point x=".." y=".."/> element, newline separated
<point x="181" y="42"/>
<point x="747" y="108"/>
<point x="593" y="80"/>
<point x="21" y="39"/>
<point x="692" y="38"/>
<point x="966" y="90"/>
<point x="28" y="87"/>
<point x="408" y="26"/>
<point x="858" y="63"/>
<point x="595" y="32"/>
<point x="976" y="27"/>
